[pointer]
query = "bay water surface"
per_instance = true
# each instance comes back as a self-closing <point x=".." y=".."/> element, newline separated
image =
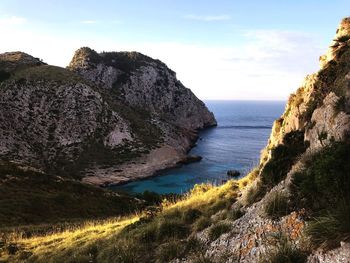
<point x="242" y="132"/>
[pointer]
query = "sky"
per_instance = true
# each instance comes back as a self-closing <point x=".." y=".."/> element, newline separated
<point x="223" y="49"/>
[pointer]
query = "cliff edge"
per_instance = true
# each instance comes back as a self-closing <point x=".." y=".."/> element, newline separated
<point x="296" y="203"/>
<point x="293" y="207"/>
<point x="106" y="119"/>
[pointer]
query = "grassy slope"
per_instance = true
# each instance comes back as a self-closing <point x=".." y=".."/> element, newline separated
<point x="161" y="236"/>
<point x="29" y="197"/>
<point x="147" y="135"/>
<point x="147" y="237"/>
<point x="167" y="232"/>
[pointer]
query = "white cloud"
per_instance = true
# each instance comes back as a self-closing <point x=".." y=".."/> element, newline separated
<point x="12" y="20"/>
<point x="269" y="65"/>
<point x="280" y="50"/>
<point x="208" y="18"/>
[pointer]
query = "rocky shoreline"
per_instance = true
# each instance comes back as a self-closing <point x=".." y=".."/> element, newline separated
<point x="147" y="166"/>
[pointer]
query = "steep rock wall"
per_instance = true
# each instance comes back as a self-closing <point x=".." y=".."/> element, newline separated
<point x="142" y="82"/>
<point x="120" y="109"/>
<point x="320" y="111"/>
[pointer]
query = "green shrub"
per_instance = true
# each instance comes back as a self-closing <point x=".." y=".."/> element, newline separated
<point x="283" y="157"/>
<point x="201" y="223"/>
<point x="4" y="75"/>
<point x="234" y="214"/>
<point x="171" y="229"/>
<point x="168" y="251"/>
<point x="284" y="251"/>
<point x="12" y="248"/>
<point x="126" y="251"/>
<point x="218" y="229"/>
<point x="150" y="197"/>
<point x="200" y="188"/>
<point x="173" y="213"/>
<point x="194" y="245"/>
<point x="277" y="205"/>
<point x="255" y="193"/>
<point x="323" y="188"/>
<point x="177" y="249"/>
<point x="287" y="255"/>
<point x="147" y="232"/>
<point x="327" y="231"/>
<point x="47" y="199"/>
<point x="218" y="205"/>
<point x="326" y="180"/>
<point x="343" y="38"/>
<point x="47" y="72"/>
<point x="190" y="215"/>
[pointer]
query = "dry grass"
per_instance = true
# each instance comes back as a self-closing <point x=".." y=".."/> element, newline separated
<point x="94" y="239"/>
<point x="52" y="245"/>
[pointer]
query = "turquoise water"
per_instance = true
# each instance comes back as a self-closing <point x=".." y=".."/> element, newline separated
<point x="242" y="132"/>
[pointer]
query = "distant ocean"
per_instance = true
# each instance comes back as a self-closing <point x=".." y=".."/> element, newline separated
<point x="242" y="132"/>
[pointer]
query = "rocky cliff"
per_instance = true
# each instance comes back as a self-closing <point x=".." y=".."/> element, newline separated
<point x="293" y="207"/>
<point x="296" y="210"/>
<point x="143" y="83"/>
<point x="321" y="105"/>
<point x="106" y="110"/>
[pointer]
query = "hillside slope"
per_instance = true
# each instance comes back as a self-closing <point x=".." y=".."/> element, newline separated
<point x="54" y="120"/>
<point x="293" y="207"/>
<point x="58" y="129"/>
<point x="297" y="209"/>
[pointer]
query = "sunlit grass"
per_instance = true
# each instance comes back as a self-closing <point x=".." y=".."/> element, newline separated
<point x="94" y="239"/>
<point x="43" y="247"/>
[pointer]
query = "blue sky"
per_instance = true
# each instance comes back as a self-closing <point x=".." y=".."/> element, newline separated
<point x="220" y="49"/>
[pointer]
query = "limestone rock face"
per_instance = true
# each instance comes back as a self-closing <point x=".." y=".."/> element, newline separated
<point x="43" y="124"/>
<point x="144" y="83"/>
<point x="338" y="255"/>
<point x="320" y="112"/>
<point x="340" y="40"/>
<point x="108" y="110"/>
<point x="328" y="125"/>
<point x="321" y="106"/>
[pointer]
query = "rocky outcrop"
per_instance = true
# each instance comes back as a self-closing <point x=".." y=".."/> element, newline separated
<point x="338" y="255"/>
<point x="50" y="124"/>
<point x="144" y="83"/>
<point x="341" y="39"/>
<point x="327" y="124"/>
<point x="118" y="110"/>
<point x="10" y="61"/>
<point x="320" y="107"/>
<point x="320" y="111"/>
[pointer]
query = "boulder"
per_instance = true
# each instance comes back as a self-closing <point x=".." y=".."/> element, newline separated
<point x="190" y="159"/>
<point x="233" y="173"/>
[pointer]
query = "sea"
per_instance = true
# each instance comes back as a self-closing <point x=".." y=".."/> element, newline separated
<point x="235" y="144"/>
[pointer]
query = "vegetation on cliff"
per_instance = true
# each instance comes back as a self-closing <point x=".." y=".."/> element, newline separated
<point x="29" y="197"/>
<point x="294" y="207"/>
<point x="323" y="187"/>
<point x="160" y="234"/>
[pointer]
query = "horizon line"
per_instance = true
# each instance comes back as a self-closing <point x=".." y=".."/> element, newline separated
<point x="267" y="100"/>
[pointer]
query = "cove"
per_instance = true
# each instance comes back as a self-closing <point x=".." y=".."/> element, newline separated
<point x="242" y="132"/>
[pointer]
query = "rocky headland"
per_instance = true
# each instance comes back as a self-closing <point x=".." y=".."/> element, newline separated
<point x="280" y="222"/>
<point x="108" y="118"/>
<point x="293" y="207"/>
